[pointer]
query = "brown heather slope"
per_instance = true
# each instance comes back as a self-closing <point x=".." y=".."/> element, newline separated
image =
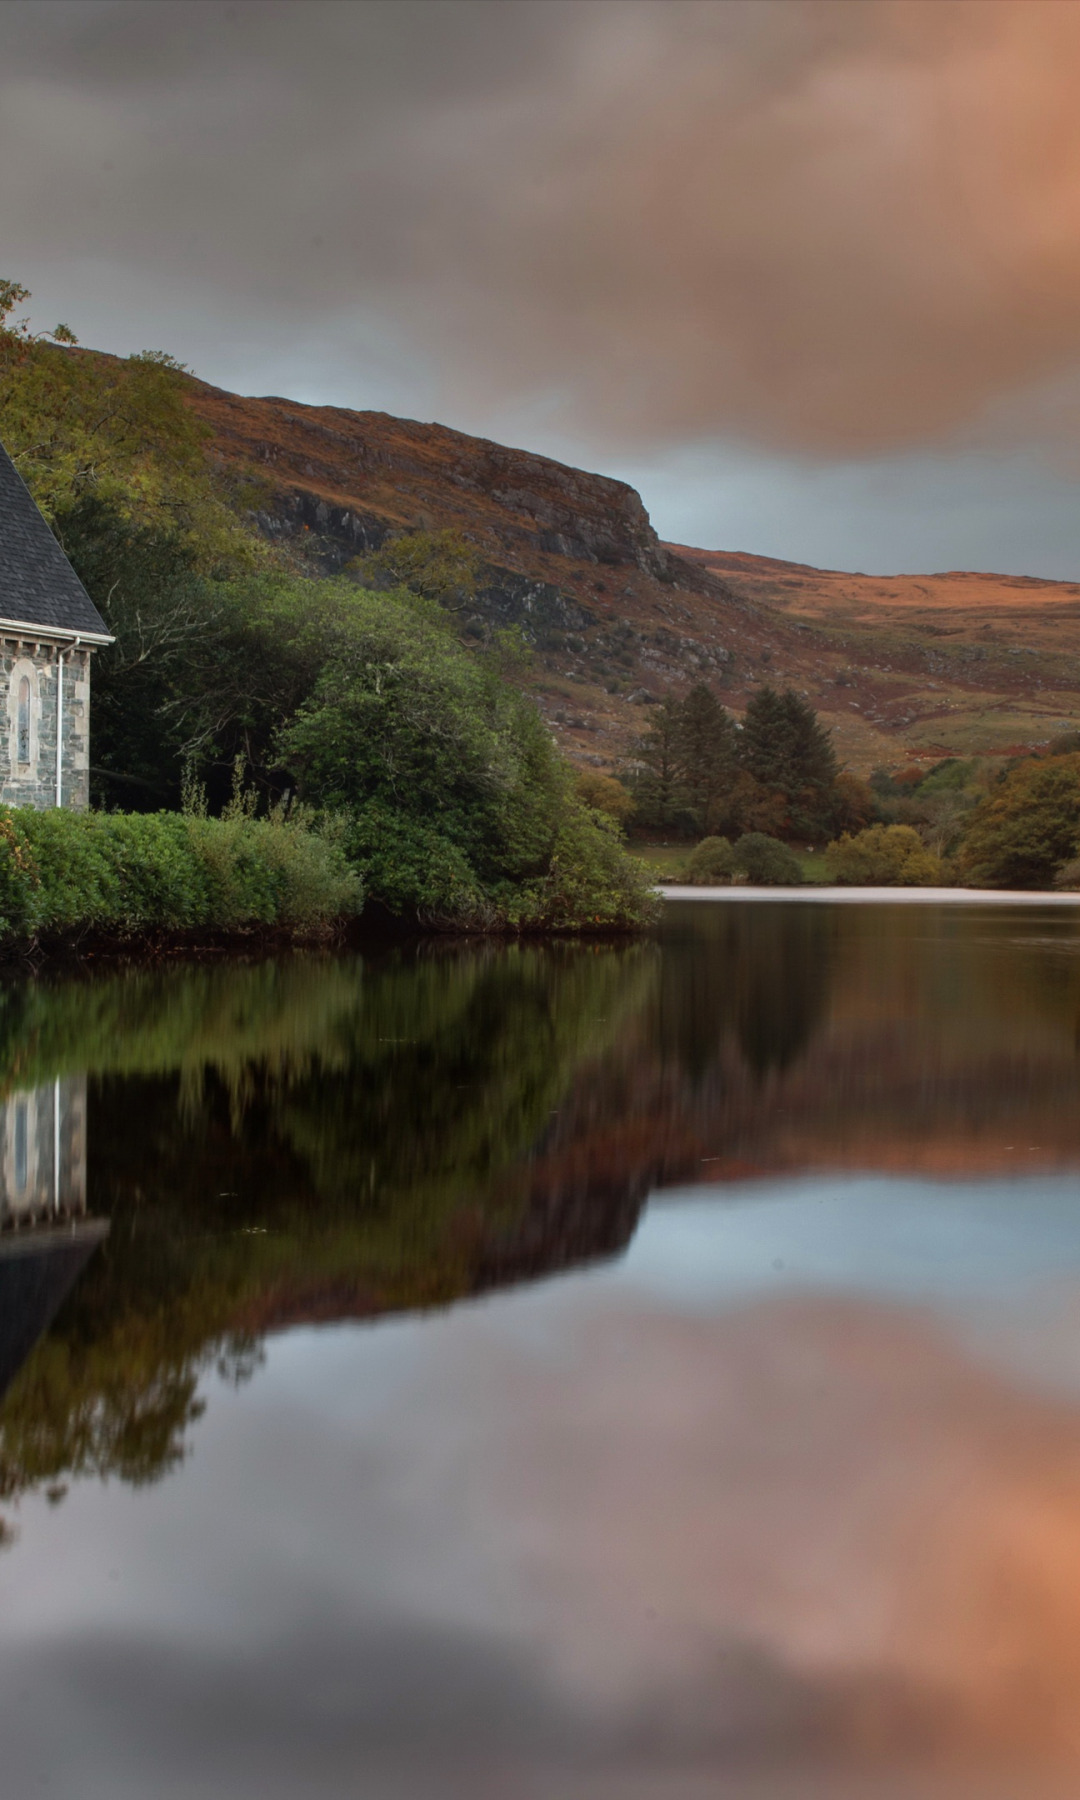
<point x="899" y="667"/>
<point x="949" y="662"/>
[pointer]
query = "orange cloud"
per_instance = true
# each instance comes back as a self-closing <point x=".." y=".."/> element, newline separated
<point x="832" y="228"/>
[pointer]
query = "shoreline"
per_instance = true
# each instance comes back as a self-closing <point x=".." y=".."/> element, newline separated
<point x="903" y="896"/>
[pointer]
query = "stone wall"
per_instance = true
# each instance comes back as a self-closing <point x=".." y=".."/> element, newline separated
<point x="33" y="782"/>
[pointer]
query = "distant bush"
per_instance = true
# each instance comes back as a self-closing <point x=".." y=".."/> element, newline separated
<point x="883" y="856"/>
<point x="854" y="802"/>
<point x="604" y="794"/>
<point x="64" y="872"/>
<point x="1028" y="827"/>
<point x="759" y="860"/>
<point x="709" y="863"/>
<point x="1068" y="876"/>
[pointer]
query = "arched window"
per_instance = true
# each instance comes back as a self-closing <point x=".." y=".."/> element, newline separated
<point x="22" y="753"/>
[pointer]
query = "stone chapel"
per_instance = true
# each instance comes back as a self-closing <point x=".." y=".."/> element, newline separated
<point x="49" y="627"/>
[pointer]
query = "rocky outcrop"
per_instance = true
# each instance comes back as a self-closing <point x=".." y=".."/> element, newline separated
<point x="350" y="477"/>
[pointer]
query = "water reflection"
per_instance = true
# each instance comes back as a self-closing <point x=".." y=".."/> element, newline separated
<point x="43" y="1153"/>
<point x="45" y="1237"/>
<point x="773" y="1492"/>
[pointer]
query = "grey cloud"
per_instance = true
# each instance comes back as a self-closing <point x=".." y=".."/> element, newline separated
<point x="820" y="226"/>
<point x="813" y="229"/>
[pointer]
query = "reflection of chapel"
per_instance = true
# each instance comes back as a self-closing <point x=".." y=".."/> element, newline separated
<point x="48" y="628"/>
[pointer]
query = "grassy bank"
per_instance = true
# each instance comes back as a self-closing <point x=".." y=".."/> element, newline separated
<point x="67" y="876"/>
<point x="63" y="875"/>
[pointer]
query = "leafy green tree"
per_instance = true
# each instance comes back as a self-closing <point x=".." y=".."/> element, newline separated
<point x="438" y="565"/>
<point x="787" y="751"/>
<point x="1027" y="828"/>
<point x="145" y="583"/>
<point x="460" y="805"/>
<point x="78" y="423"/>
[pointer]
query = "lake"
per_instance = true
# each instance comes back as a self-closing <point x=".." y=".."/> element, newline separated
<point x="581" y="1371"/>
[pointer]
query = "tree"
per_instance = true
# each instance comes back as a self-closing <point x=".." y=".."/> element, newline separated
<point x="655" y="780"/>
<point x="704" y="756"/>
<point x="788" y="751"/>
<point x="439" y="565"/>
<point x="459" y="805"/>
<point x="1026" y="829"/>
<point x="76" y="423"/>
<point x="604" y="794"/>
<point x="854" y="802"/>
<point x="143" y="580"/>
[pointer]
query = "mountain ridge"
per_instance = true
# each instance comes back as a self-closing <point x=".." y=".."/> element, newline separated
<point x="900" y="667"/>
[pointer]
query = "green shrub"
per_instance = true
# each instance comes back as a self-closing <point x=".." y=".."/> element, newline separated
<point x="883" y="856"/>
<point x="1028" y="827"/>
<point x="64" y="872"/>
<point x="604" y="794"/>
<point x="710" y="863"/>
<point x="765" y="861"/>
<point x="414" y="869"/>
<point x="1068" y="876"/>
<point x="590" y="881"/>
<point x="754" y="858"/>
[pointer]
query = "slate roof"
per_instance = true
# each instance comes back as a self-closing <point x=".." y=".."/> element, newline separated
<point x="38" y="586"/>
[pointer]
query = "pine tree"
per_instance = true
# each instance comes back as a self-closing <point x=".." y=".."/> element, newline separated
<point x="784" y="746"/>
<point x="655" y="782"/>
<point x="705" y="753"/>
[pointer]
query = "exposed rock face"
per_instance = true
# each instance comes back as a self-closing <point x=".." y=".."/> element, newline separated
<point x="571" y="558"/>
<point x="351" y="477"/>
<point x="617" y="619"/>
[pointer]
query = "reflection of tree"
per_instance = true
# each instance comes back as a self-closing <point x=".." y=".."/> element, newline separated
<point x="303" y="1139"/>
<point x="761" y="972"/>
<point x="319" y="1138"/>
<point x="783" y="965"/>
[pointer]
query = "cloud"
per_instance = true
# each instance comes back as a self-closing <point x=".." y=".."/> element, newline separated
<point x="825" y="228"/>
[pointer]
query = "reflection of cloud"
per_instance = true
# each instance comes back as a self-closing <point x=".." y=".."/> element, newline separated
<point x="569" y="1549"/>
<point x="833" y="1485"/>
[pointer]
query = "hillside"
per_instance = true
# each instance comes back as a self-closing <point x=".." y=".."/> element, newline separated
<point x="901" y="667"/>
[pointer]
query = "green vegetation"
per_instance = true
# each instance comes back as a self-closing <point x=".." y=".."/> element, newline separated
<point x="754" y="858"/>
<point x="695" y="772"/>
<point x="115" y="429"/>
<point x="1027" y="830"/>
<point x="971" y="822"/>
<point x="415" y="752"/>
<point x="65" y="873"/>
<point x="883" y="856"/>
<point x="604" y="794"/>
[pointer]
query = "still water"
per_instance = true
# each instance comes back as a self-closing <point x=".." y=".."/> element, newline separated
<point x="555" y="1372"/>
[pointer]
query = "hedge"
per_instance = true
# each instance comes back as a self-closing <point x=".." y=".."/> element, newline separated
<point x="64" y="873"/>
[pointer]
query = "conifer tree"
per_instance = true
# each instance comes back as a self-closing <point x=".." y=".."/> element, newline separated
<point x="784" y="746"/>
<point x="656" y="781"/>
<point x="705" y="755"/>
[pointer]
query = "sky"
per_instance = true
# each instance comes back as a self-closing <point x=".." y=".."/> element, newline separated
<point x="805" y="272"/>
